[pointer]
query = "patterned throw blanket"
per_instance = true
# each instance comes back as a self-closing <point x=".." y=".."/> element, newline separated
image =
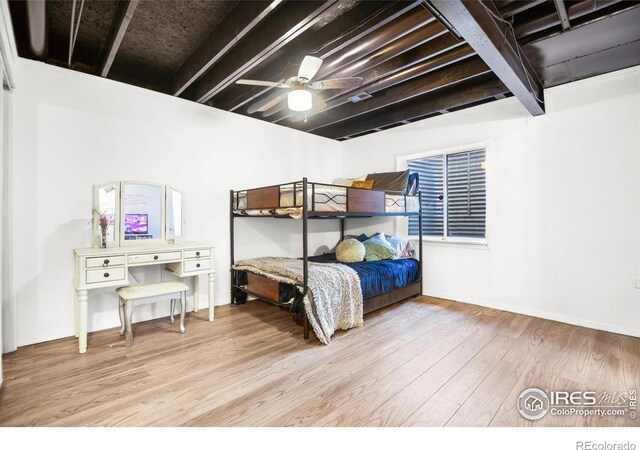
<point x="334" y="300"/>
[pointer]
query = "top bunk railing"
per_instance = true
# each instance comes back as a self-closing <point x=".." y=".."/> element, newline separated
<point x="322" y="200"/>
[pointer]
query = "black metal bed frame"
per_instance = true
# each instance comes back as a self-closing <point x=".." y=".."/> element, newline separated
<point x="382" y="300"/>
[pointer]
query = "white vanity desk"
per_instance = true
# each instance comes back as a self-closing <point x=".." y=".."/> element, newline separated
<point x="109" y="268"/>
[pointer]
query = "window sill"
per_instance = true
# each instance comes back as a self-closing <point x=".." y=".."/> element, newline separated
<point x="457" y="242"/>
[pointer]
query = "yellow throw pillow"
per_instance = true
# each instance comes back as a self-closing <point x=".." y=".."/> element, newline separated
<point x="368" y="184"/>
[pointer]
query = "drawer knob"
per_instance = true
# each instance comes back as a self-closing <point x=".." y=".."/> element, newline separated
<point x="106" y="262"/>
<point x="155" y="257"/>
<point x="197" y="254"/>
<point x="198" y="265"/>
<point x="106" y="275"/>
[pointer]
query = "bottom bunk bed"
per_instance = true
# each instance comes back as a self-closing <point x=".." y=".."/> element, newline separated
<point x="381" y="284"/>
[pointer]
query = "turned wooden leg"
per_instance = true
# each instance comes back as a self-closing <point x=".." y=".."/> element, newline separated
<point x="128" y="339"/>
<point x="173" y="308"/>
<point x="212" y="277"/>
<point x="121" y="312"/>
<point x="83" y="296"/>
<point x="183" y="308"/>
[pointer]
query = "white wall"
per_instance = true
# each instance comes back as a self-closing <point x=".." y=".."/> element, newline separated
<point x="563" y="218"/>
<point x="2" y="131"/>
<point x="73" y="130"/>
<point x="563" y="192"/>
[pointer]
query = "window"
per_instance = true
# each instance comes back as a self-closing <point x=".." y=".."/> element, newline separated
<point x="454" y="197"/>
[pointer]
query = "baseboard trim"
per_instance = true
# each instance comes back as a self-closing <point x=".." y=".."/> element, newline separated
<point x="543" y="315"/>
<point x="106" y="324"/>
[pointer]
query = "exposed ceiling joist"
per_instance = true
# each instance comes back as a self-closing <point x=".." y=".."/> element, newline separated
<point x="574" y="11"/>
<point x="245" y="17"/>
<point x="562" y="13"/>
<point x="121" y="20"/>
<point x="361" y="20"/>
<point x="518" y="7"/>
<point x="449" y="97"/>
<point x="435" y="79"/>
<point x="294" y="19"/>
<point x="479" y="24"/>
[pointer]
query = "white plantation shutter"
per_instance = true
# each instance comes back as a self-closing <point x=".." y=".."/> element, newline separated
<point x="464" y="198"/>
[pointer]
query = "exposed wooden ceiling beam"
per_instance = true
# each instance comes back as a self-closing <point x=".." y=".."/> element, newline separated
<point x="399" y="93"/>
<point x="415" y="62"/>
<point x="369" y="40"/>
<point x="285" y="25"/>
<point x="243" y="18"/>
<point x="562" y="13"/>
<point x="450" y="97"/>
<point x="479" y="24"/>
<point x="574" y="11"/>
<point x="359" y="63"/>
<point x="518" y="7"/>
<point x="121" y="20"/>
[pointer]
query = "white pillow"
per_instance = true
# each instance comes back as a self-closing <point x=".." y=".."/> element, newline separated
<point x="404" y="247"/>
<point x="348" y="181"/>
<point x="343" y="182"/>
<point x="350" y="250"/>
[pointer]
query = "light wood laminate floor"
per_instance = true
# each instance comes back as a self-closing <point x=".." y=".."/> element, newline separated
<point x="422" y="362"/>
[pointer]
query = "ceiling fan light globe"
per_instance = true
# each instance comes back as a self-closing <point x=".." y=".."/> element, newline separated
<point x="299" y="100"/>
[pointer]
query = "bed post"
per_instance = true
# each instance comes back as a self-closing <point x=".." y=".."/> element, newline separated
<point x="341" y="229"/>
<point x="231" y="248"/>
<point x="305" y="253"/>
<point x="420" y="240"/>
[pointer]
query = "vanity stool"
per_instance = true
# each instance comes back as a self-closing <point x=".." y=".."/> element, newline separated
<point x="130" y="293"/>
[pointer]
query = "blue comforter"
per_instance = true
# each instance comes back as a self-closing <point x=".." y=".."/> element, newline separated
<point x="379" y="277"/>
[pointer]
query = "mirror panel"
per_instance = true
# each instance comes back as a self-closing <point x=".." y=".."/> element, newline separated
<point x="143" y="210"/>
<point x="174" y="213"/>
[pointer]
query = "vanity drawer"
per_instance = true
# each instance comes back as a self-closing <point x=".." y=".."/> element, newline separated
<point x="107" y="261"/>
<point x="197" y="265"/>
<point x="153" y="257"/>
<point x="104" y="275"/>
<point x="204" y="253"/>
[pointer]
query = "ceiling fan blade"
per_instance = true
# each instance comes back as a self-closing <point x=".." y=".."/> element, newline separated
<point x="338" y="83"/>
<point x="309" y="67"/>
<point x="262" y="83"/>
<point x="318" y="101"/>
<point x="267" y="103"/>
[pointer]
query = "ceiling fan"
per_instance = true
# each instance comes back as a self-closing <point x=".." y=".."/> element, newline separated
<point x="300" y="86"/>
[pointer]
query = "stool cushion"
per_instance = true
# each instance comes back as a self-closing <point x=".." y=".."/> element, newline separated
<point x="151" y="290"/>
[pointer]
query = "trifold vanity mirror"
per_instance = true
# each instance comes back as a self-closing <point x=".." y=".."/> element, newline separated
<point x="136" y="213"/>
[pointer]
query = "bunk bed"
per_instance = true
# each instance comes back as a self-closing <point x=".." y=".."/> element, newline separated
<point x="305" y="200"/>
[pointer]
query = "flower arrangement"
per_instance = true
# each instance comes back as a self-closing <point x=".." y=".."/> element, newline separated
<point x="103" y="223"/>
